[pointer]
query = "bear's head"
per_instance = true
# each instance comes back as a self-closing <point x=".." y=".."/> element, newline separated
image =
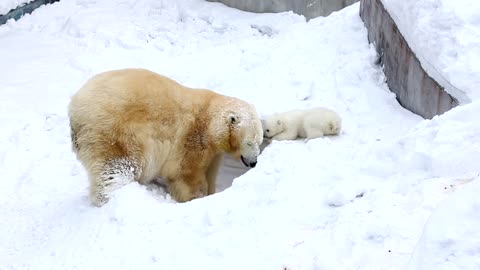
<point x="272" y="126"/>
<point x="243" y="133"/>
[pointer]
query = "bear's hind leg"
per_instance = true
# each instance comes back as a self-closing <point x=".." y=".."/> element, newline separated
<point x="110" y="176"/>
<point x="313" y="133"/>
<point x="312" y="129"/>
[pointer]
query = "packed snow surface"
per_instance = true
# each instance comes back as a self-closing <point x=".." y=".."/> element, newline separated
<point x="7" y="5"/>
<point x="385" y="194"/>
<point x="445" y="35"/>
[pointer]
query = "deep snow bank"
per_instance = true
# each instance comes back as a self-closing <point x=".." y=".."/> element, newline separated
<point x="446" y="146"/>
<point x="451" y="238"/>
<point x="447" y="149"/>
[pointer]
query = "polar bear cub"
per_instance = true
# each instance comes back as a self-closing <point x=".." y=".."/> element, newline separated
<point x="308" y="124"/>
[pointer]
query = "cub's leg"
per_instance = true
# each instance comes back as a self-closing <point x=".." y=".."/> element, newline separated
<point x="212" y="173"/>
<point x="185" y="188"/>
<point x="312" y="128"/>
<point x="313" y="132"/>
<point x="286" y="135"/>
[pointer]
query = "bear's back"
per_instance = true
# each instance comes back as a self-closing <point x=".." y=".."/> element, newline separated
<point x="136" y="95"/>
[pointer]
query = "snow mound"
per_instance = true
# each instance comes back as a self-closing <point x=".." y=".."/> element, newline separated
<point x="445" y="146"/>
<point x="451" y="238"/>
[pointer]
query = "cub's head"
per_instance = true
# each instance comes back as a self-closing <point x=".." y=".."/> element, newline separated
<point x="272" y="126"/>
<point x="244" y="133"/>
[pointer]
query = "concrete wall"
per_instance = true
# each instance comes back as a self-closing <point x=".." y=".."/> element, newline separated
<point x="309" y="8"/>
<point x="415" y="89"/>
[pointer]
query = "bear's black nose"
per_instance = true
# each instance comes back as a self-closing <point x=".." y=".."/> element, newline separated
<point x="252" y="164"/>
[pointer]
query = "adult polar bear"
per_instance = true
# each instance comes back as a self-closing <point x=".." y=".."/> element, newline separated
<point x="135" y="125"/>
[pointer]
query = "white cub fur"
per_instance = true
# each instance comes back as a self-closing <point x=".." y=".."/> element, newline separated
<point x="308" y="124"/>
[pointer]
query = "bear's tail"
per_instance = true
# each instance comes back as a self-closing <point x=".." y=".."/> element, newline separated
<point x="334" y="127"/>
<point x="73" y="138"/>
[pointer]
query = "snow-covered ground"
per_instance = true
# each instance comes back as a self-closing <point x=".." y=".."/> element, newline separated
<point x="7" y="5"/>
<point x="445" y="35"/>
<point x="393" y="191"/>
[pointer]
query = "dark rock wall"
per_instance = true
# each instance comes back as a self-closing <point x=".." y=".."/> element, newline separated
<point x="415" y="89"/>
<point x="22" y="10"/>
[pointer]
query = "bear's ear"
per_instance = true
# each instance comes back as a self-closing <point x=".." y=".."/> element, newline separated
<point x="233" y="119"/>
<point x="279" y="122"/>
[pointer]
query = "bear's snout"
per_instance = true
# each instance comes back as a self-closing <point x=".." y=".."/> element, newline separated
<point x="249" y="162"/>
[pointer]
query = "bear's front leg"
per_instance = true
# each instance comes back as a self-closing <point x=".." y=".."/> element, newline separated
<point x="188" y="187"/>
<point x="288" y="135"/>
<point x="212" y="173"/>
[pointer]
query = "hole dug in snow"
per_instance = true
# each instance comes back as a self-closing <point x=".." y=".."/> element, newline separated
<point x="231" y="169"/>
<point x="228" y="171"/>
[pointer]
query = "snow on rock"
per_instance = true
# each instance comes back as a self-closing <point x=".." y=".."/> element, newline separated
<point x="445" y="36"/>
<point x="7" y="5"/>
<point x="354" y="201"/>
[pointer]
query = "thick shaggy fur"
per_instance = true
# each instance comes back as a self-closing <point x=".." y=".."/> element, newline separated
<point x="135" y="125"/>
<point x="308" y="124"/>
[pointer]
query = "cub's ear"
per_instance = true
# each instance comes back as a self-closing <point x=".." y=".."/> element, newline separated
<point x="232" y="119"/>
<point x="279" y="122"/>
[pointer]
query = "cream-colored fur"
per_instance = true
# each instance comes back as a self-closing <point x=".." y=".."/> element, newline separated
<point x="135" y="125"/>
<point x="308" y="124"/>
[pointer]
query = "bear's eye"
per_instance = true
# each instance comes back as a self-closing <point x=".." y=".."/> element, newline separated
<point x="268" y="130"/>
<point x="233" y="119"/>
<point x="249" y="143"/>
